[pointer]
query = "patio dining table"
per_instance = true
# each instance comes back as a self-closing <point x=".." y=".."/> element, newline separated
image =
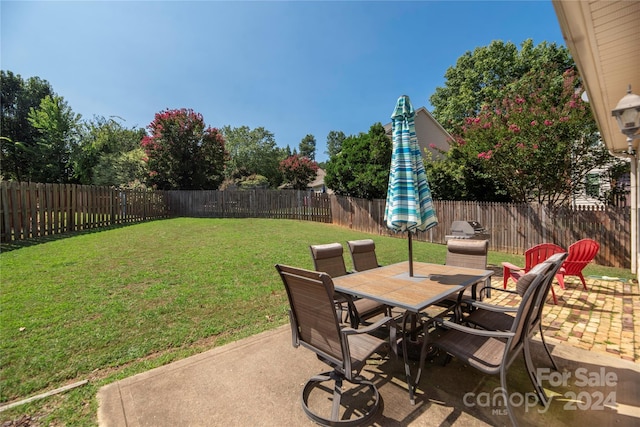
<point x="392" y="285"/>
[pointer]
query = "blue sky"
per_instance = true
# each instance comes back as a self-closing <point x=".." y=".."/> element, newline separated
<point x="292" y="67"/>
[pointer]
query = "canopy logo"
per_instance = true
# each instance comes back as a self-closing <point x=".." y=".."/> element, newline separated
<point x="593" y="400"/>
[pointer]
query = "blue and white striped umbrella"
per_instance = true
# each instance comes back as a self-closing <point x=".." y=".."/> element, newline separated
<point x="409" y="205"/>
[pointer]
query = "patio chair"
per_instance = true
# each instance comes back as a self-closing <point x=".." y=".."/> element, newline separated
<point x="493" y="351"/>
<point x="316" y="326"/>
<point x="532" y="256"/>
<point x="467" y="253"/>
<point x="328" y="259"/>
<point x="363" y="254"/>
<point x="581" y="253"/>
<point x="500" y="317"/>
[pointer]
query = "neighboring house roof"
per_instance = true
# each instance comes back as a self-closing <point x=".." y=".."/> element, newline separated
<point x="318" y="184"/>
<point x="429" y="133"/>
<point x="319" y="178"/>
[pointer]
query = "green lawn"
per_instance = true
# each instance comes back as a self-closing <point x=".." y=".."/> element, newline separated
<point x="106" y="305"/>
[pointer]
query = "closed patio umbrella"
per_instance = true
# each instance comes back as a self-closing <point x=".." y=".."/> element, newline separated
<point x="409" y="205"/>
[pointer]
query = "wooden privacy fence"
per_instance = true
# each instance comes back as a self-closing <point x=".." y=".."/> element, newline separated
<point x="286" y="204"/>
<point x="513" y="227"/>
<point x="30" y="210"/>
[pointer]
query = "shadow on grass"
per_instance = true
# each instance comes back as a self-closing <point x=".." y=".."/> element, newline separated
<point x="19" y="244"/>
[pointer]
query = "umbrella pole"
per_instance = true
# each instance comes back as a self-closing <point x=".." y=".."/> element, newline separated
<point x="414" y="320"/>
<point x="410" y="255"/>
<point x="413" y="316"/>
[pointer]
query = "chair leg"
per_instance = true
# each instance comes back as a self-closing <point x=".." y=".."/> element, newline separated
<point x="488" y="289"/>
<point x="334" y="419"/>
<point x="340" y="311"/>
<point x="584" y="284"/>
<point x="532" y="375"/>
<point x="555" y="300"/>
<point x="503" y="385"/>
<point x="560" y="279"/>
<point x="505" y="276"/>
<point x="354" y="316"/>
<point x="544" y="343"/>
<point x="337" y="397"/>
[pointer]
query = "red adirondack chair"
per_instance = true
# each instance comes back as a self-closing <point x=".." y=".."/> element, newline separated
<point x="532" y="257"/>
<point x="581" y="253"/>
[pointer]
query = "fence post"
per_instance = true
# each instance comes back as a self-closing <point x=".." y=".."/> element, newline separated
<point x="5" y="223"/>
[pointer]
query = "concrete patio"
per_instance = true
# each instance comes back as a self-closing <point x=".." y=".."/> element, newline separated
<point x="257" y="381"/>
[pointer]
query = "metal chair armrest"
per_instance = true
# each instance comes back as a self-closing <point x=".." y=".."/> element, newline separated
<point x="492" y="288"/>
<point x="509" y="291"/>
<point x="473" y="331"/>
<point x="491" y="307"/>
<point x="346" y="331"/>
<point x="393" y="341"/>
<point x="295" y="339"/>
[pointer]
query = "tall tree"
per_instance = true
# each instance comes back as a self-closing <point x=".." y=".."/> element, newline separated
<point x="253" y="152"/>
<point x="298" y="171"/>
<point x="480" y="77"/>
<point x="361" y="168"/>
<point x="538" y="143"/>
<point x="58" y="133"/>
<point x="183" y="153"/>
<point x="110" y="154"/>
<point x="456" y="177"/>
<point x="126" y="169"/>
<point x="18" y="136"/>
<point x="522" y="132"/>
<point x="308" y="147"/>
<point x="334" y="142"/>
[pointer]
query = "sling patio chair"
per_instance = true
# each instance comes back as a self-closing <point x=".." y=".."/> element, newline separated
<point x="493" y="351"/>
<point x="532" y="256"/>
<point x="581" y="253"/>
<point x="316" y="326"/>
<point x="363" y="254"/>
<point x="501" y="317"/>
<point x="466" y="253"/>
<point x="328" y="258"/>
